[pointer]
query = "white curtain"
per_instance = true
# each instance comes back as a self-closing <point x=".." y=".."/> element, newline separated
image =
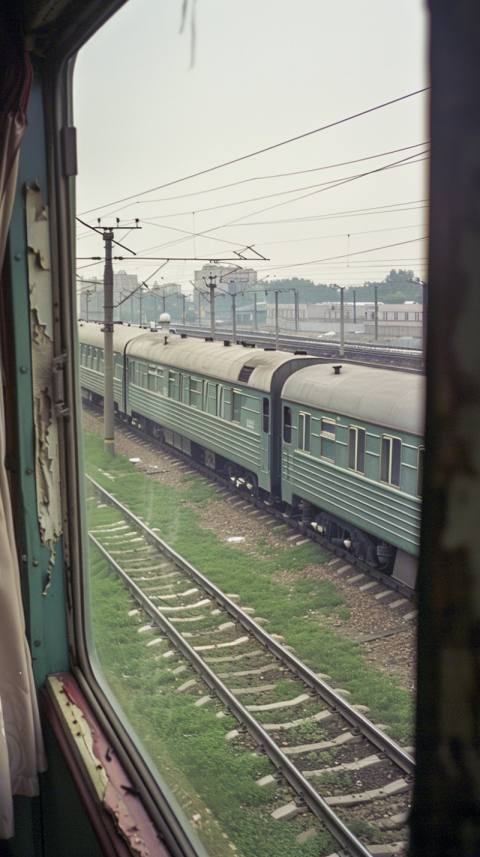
<point x="22" y="754"/>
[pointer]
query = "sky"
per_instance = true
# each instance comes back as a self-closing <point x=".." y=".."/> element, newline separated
<point x="154" y="105"/>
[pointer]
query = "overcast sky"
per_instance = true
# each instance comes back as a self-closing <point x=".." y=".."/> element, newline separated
<point x="263" y="71"/>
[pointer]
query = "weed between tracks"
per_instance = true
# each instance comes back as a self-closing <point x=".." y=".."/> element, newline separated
<point x="210" y="776"/>
<point x="293" y="610"/>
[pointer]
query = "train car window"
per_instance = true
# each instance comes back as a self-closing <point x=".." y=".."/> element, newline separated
<point x="266" y="414"/>
<point x="196" y="393"/>
<point x="356" y="449"/>
<point x="421" y="453"/>
<point x="171" y="384"/>
<point x="172" y="715"/>
<point x="287" y="424"/>
<point x="303" y="438"/>
<point x="220" y="401"/>
<point x="327" y="439"/>
<point x="236" y="404"/>
<point x="391" y="460"/>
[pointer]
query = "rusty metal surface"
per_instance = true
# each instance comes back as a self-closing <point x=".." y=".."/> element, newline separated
<point x="117" y="793"/>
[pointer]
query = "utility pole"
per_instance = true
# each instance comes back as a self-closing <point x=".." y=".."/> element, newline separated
<point x="295" y="294"/>
<point x="211" y="285"/>
<point x="376" y="312"/>
<point x="277" y="340"/>
<point x="354" y="306"/>
<point x="341" y="289"/>
<point x="233" y="296"/>
<point x="255" y="311"/>
<point x="342" y="323"/>
<point x="108" y="402"/>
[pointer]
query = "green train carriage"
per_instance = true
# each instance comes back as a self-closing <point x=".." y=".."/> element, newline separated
<point x="352" y="460"/>
<point x="217" y="402"/>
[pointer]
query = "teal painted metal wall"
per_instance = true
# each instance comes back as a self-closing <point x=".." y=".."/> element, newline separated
<point x="45" y="613"/>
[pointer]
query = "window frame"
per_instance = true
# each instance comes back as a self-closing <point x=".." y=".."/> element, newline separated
<point x="328" y="437"/>
<point x="287" y="426"/>
<point x="304" y="433"/>
<point x="356" y="430"/>
<point x="392" y="440"/>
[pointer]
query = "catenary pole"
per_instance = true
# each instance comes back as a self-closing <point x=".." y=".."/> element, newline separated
<point x="108" y="402"/>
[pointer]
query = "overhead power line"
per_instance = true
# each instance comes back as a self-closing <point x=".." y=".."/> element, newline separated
<point x="347" y="255"/>
<point x="272" y="176"/>
<point x="262" y="151"/>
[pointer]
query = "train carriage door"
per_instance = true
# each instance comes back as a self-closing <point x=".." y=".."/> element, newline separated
<point x="265" y="441"/>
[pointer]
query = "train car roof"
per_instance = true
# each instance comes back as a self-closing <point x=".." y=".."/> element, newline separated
<point x="191" y="354"/>
<point x="92" y="334"/>
<point x="394" y="400"/>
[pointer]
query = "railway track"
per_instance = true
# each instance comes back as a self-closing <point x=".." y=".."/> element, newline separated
<point x="383" y="356"/>
<point x="238" y="660"/>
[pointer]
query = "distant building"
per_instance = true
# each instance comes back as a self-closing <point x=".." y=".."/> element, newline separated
<point x="226" y="276"/>
<point x="396" y="320"/>
<point x="123" y="285"/>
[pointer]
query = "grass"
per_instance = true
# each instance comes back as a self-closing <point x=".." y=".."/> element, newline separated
<point x="294" y="609"/>
<point x="188" y="744"/>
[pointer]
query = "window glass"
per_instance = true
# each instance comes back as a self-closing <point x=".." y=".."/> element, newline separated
<point x="361" y="442"/>
<point x="421" y="452"/>
<point x="172" y="382"/>
<point x="301" y="421"/>
<point x="175" y="716"/>
<point x="266" y="412"/>
<point x="287" y="424"/>
<point x="327" y="439"/>
<point x="352" y="443"/>
<point x="396" y="461"/>
<point x="391" y="460"/>
<point x="356" y="449"/>
<point x="236" y="406"/>
<point x="303" y="438"/>
<point x="327" y="427"/>
<point x="385" y="459"/>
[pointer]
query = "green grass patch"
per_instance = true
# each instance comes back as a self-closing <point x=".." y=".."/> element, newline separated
<point x="293" y="609"/>
<point x="188" y="743"/>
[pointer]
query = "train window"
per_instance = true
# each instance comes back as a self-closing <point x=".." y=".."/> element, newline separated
<point x="220" y="401"/>
<point x="391" y="460"/>
<point x="303" y="438"/>
<point x="236" y="404"/>
<point x="266" y="414"/>
<point x="327" y="439"/>
<point x="171" y="384"/>
<point x="196" y="393"/>
<point x="421" y="453"/>
<point x="287" y="424"/>
<point x="356" y="449"/>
